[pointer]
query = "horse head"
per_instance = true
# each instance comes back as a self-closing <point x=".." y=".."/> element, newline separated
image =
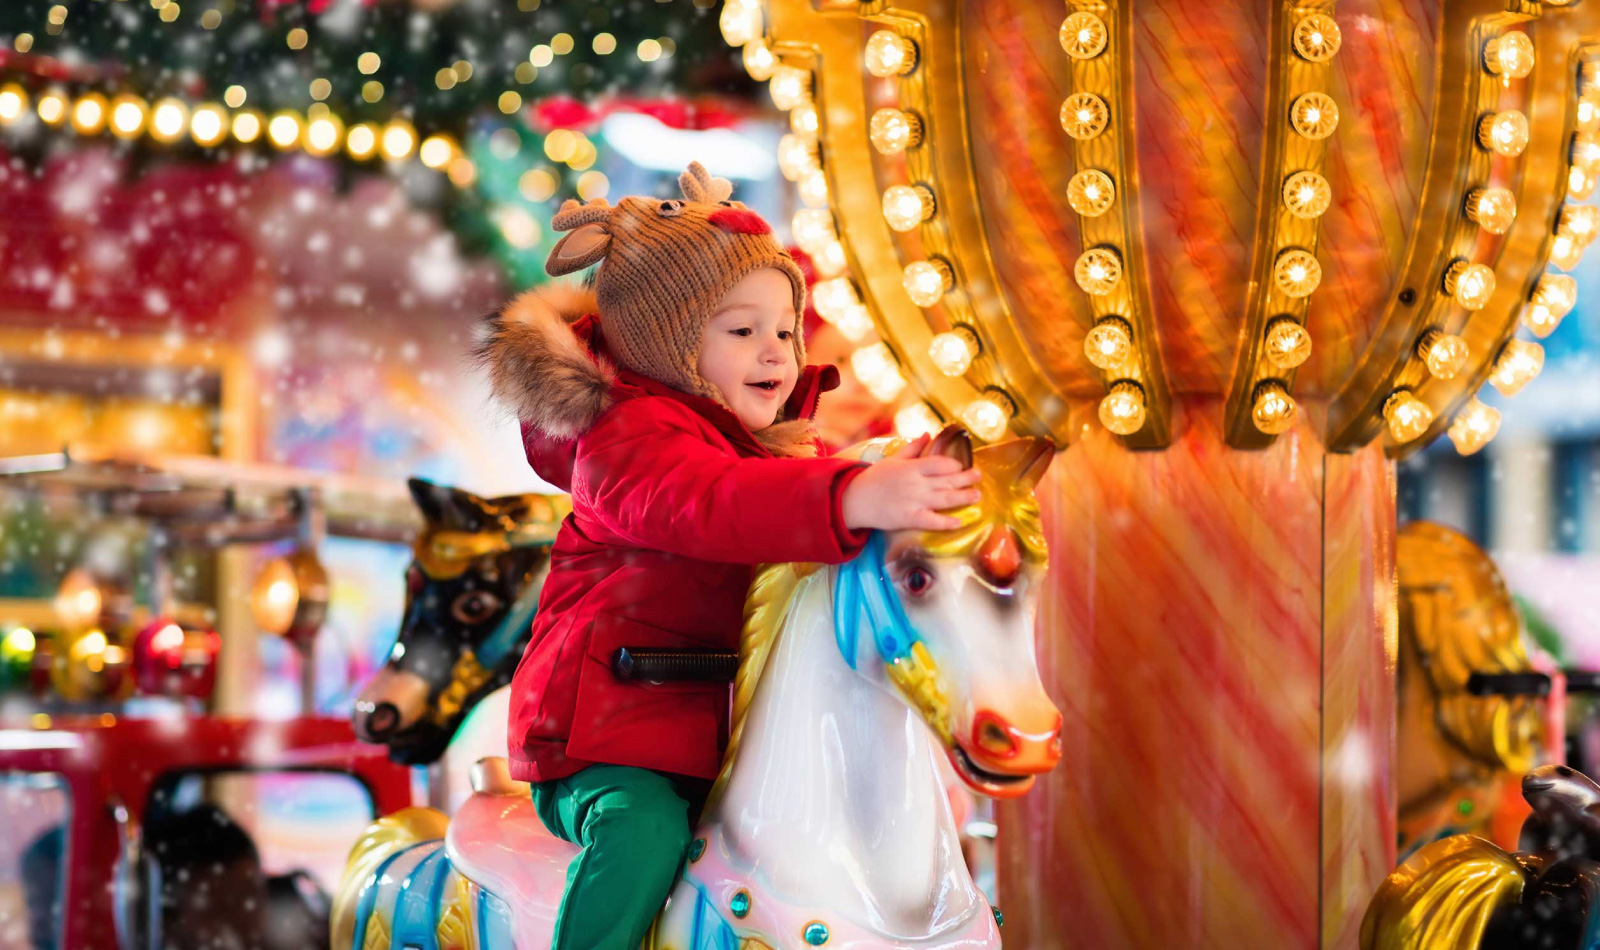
<point x="471" y="590"/>
<point x="951" y="617"/>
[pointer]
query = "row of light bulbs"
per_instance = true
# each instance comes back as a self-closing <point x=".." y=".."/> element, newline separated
<point x="318" y="132"/>
<point x="905" y="207"/>
<point x="1508" y="56"/>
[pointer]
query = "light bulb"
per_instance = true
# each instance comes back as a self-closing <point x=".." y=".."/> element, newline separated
<point x="953" y="351"/>
<point x="284" y="130"/>
<point x="1566" y="251"/>
<point x="1444" y="353"/>
<point x="168" y="120"/>
<point x="759" y="60"/>
<point x="208" y="125"/>
<point x="1518" y="364"/>
<point x="1510" y="54"/>
<point x="877" y="369"/>
<point x="1314" y="115"/>
<point x="988" y="415"/>
<point x="89" y="113"/>
<point x="812" y="229"/>
<point x="1493" y="209"/>
<point x="915" y="421"/>
<point x="1470" y="284"/>
<point x="436" y="151"/>
<point x="1296" y="272"/>
<point x="1586" y="152"/>
<point x="1306" y="195"/>
<point x="1579" y="222"/>
<point x="890" y="54"/>
<point x="1109" y="344"/>
<point x="740" y="22"/>
<point x="805" y="122"/>
<point x="1553" y="298"/>
<point x="1288" y="344"/>
<point x="1083" y="35"/>
<point x="398" y="140"/>
<point x="52" y="108"/>
<point x="1122" y="411"/>
<point x="246" y="126"/>
<point x="789" y="87"/>
<point x="813" y="188"/>
<point x="1098" y="271"/>
<point x="906" y="206"/>
<point x="796" y="157"/>
<point x="853" y="322"/>
<point x="1084" y="115"/>
<point x="361" y="141"/>
<point x="1408" y="417"/>
<point x="1588" y="114"/>
<point x="1316" y="38"/>
<point x="1474" y="426"/>
<point x="127" y="116"/>
<point x="1273" y="411"/>
<point x="1090" y="192"/>
<point x="832" y="297"/>
<point x="1504" y="133"/>
<point x="926" y="282"/>
<point x="1579" y="184"/>
<point x="830" y="260"/>
<point x="893" y="131"/>
<point x="13" y="102"/>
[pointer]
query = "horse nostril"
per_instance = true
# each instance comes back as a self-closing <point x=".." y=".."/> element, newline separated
<point x="995" y="736"/>
<point x="382" y="720"/>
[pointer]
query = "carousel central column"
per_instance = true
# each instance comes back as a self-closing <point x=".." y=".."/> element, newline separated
<point x="1220" y="635"/>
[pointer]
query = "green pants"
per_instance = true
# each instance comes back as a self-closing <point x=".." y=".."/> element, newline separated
<point x="633" y="828"/>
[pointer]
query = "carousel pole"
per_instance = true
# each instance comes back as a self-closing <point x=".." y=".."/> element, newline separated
<point x="311" y="532"/>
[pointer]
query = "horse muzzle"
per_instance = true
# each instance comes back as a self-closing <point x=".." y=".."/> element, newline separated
<point x="999" y="759"/>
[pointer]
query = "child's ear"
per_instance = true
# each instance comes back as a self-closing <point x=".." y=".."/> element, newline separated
<point x="578" y="249"/>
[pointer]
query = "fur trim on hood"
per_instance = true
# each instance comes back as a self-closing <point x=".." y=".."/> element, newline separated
<point x="549" y="377"/>
<point x="539" y="368"/>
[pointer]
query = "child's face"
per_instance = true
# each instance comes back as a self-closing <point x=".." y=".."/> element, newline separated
<point x="747" y="349"/>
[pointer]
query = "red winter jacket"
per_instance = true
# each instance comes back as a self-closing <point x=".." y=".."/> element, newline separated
<point x="673" y="502"/>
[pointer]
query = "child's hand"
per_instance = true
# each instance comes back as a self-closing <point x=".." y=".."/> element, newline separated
<point x="905" y="491"/>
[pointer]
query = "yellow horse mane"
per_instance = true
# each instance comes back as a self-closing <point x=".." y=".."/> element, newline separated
<point x="1442" y="896"/>
<point x="1008" y="501"/>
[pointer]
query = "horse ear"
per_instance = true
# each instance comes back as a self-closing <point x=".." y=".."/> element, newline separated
<point x="1020" y="462"/>
<point x="578" y="249"/>
<point x="1035" y="461"/>
<point x="449" y="508"/>
<point x="953" y="441"/>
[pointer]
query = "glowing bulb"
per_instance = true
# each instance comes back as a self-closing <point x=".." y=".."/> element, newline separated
<point x="805" y="122"/>
<point x="168" y="638"/>
<point x="1444" y="353"/>
<point x="398" y="140"/>
<point x="759" y="60"/>
<point x="168" y="120"/>
<point x="1122" y="411"/>
<point x="89" y="114"/>
<point x="78" y="600"/>
<point x="796" y="157"/>
<point x="812" y="229"/>
<point x="1314" y="115"/>
<point x="953" y="352"/>
<point x="1586" y="152"/>
<point x="1470" y="284"/>
<point x="1579" y="183"/>
<point x="893" y="131"/>
<point x="52" y="108"/>
<point x="1579" y="221"/>
<point x="813" y="188"/>
<point x="926" y="282"/>
<point x="1273" y="411"/>
<point x="1083" y="35"/>
<point x="789" y="87"/>
<point x="876" y="368"/>
<point x="890" y="54"/>
<point x="284" y="130"/>
<point x="854" y="322"/>
<point x="906" y="206"/>
<point x="362" y="141"/>
<point x="1288" y="344"/>
<point x="1084" y="115"/>
<point x="740" y="22"/>
<point x="1296" y="273"/>
<point x="13" y="102"/>
<point x="1098" y="271"/>
<point x="1509" y="54"/>
<point x="1408" y="417"/>
<point x="1474" y="426"/>
<point x="1566" y="251"/>
<point x="1517" y="366"/>
<point x="988" y="415"/>
<point x="1553" y="298"/>
<point x="246" y="126"/>
<point x="832" y="297"/>
<point x="1505" y="133"/>
<point x="1090" y="193"/>
<point x="1109" y="344"/>
<point x="916" y="420"/>
<point x="436" y="151"/>
<point x="830" y="260"/>
<point x="1588" y="114"/>
<point x="1492" y="208"/>
<point x="1316" y="38"/>
<point x="1306" y="195"/>
<point x="208" y="125"/>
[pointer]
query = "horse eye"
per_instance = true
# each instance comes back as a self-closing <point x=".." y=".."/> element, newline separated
<point x="474" y="606"/>
<point x="918" y="580"/>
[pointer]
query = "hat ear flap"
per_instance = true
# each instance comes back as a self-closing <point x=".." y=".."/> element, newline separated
<point x="578" y="249"/>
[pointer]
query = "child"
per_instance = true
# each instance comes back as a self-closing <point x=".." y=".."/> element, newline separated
<point x="678" y="417"/>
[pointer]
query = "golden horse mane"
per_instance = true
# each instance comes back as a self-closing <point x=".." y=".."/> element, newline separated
<point x="1008" y="502"/>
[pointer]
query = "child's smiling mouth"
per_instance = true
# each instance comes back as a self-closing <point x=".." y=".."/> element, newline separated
<point x="768" y="386"/>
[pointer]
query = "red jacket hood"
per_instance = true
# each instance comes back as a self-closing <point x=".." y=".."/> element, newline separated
<point x="547" y="359"/>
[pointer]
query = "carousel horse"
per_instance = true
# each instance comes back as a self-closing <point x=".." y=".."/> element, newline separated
<point x="1471" y="705"/>
<point x="828" y="824"/>
<point x="1466" y="893"/>
<point x="471" y="590"/>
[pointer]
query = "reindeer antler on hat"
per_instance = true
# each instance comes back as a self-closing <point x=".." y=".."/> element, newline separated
<point x="698" y="185"/>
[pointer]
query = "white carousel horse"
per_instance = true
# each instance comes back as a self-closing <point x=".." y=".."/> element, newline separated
<point x="828" y="825"/>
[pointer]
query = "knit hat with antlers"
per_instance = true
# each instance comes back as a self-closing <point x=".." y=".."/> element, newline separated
<point x="664" y="265"/>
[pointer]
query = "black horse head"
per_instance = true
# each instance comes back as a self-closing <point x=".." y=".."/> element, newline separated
<point x="471" y="589"/>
